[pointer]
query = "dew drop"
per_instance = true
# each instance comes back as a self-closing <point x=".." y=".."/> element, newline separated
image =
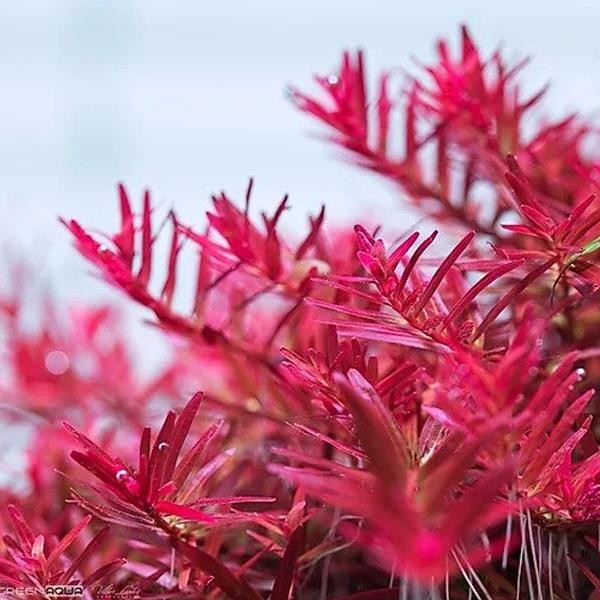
<point x="163" y="446"/>
<point x="102" y="248"/>
<point x="332" y="80"/>
<point x="57" y="362"/>
<point x="533" y="371"/>
<point x="122" y="475"/>
<point x="581" y="373"/>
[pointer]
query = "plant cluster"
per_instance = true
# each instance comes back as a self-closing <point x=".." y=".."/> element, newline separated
<point x="347" y="412"/>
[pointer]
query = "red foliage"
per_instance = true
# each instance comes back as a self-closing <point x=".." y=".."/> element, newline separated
<point x="378" y="419"/>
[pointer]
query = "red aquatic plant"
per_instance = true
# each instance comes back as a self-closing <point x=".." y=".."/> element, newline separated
<point x="43" y="566"/>
<point x="384" y="413"/>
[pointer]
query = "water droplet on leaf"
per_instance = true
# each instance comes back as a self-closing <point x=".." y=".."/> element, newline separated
<point x="122" y="475"/>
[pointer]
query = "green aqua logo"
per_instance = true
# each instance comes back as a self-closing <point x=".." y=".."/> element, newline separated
<point x="62" y="591"/>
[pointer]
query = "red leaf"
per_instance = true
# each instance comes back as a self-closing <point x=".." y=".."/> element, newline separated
<point x="235" y="587"/>
<point x="284" y="580"/>
<point x="441" y="272"/>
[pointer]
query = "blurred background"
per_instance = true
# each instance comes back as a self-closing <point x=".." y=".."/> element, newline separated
<point x="189" y="98"/>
